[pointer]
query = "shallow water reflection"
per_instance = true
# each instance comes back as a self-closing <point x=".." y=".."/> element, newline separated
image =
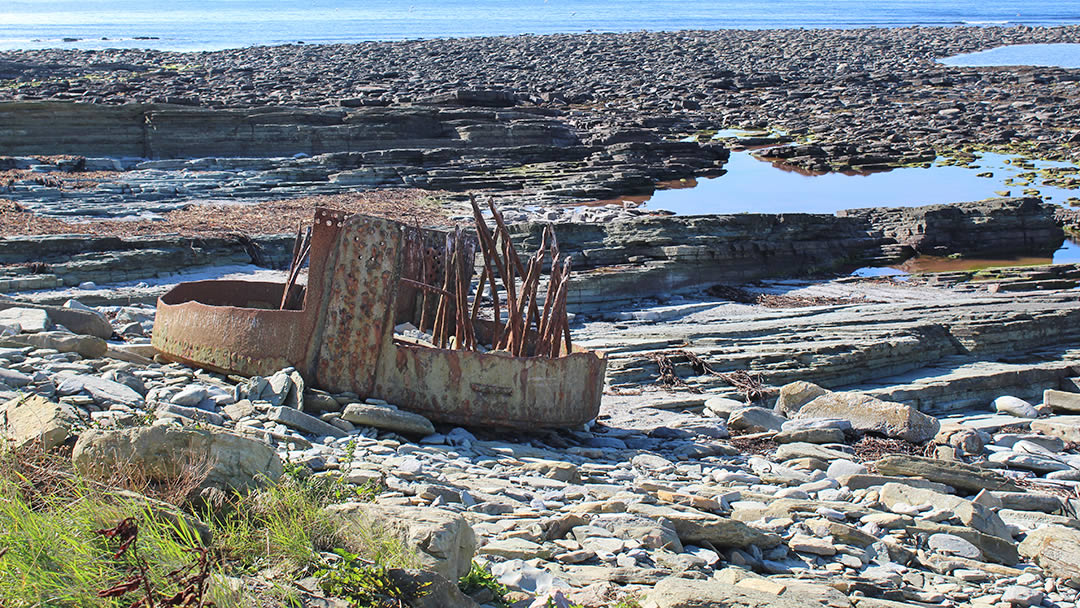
<point x="1069" y="253"/>
<point x="1062" y="55"/>
<point x="752" y="185"/>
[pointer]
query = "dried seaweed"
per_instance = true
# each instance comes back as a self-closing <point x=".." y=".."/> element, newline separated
<point x="216" y="220"/>
<point x="873" y="448"/>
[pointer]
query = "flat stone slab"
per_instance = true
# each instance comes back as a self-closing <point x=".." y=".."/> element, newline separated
<point x="1055" y="549"/>
<point x="34" y="419"/>
<point x="990" y="423"/>
<point x="1062" y="400"/>
<point x="387" y="418"/>
<point x="695" y="526"/>
<point x="164" y="452"/>
<point x="27" y="320"/>
<point x="861" y="482"/>
<point x="13" y="378"/>
<point x="305" y="423"/>
<point x="515" y="548"/>
<point x="104" y="391"/>
<point x="442" y="539"/>
<point x="956" y="474"/>
<point x="1065" y="427"/>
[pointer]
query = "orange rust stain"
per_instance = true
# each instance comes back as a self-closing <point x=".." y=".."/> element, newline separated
<point x="454" y="363"/>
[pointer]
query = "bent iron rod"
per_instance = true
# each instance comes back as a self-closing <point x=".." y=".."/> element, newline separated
<point x="453" y="316"/>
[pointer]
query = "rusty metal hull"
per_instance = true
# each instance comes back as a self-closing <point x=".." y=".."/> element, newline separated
<point x="343" y="337"/>
<point x="471" y="388"/>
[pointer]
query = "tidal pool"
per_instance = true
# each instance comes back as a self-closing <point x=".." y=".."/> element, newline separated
<point x="1062" y="55"/>
<point x="1068" y="253"/>
<point x="755" y="186"/>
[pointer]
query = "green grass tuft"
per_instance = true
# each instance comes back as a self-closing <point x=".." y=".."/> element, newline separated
<point x="51" y="554"/>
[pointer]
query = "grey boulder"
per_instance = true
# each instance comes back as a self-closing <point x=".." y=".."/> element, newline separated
<point x="443" y="540"/>
<point x="32" y="419"/>
<point x="166" y="453"/>
<point x="869" y="414"/>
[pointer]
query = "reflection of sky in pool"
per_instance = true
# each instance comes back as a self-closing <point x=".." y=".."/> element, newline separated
<point x="755" y="186"/>
<point x="1059" y="55"/>
<point x="1069" y="253"/>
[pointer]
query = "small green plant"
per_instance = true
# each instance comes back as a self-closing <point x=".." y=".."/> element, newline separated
<point x="329" y="489"/>
<point x="628" y="602"/>
<point x="363" y="583"/>
<point x="282" y="523"/>
<point x="478" y="578"/>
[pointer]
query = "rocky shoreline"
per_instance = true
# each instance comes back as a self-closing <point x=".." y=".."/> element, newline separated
<point x="570" y="116"/>
<point x="774" y="432"/>
<point x="820" y="497"/>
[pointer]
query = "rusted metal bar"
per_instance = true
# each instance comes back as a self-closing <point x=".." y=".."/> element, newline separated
<point x="528" y="293"/>
<point x="559" y="323"/>
<point x="549" y="298"/>
<point x="514" y="336"/>
<point x="426" y="287"/>
<point x="562" y="313"/>
<point x="517" y="325"/>
<point x="479" y="295"/>
<point x="491" y="258"/>
<point x="528" y="297"/>
<point x="297" y="243"/>
<point x="468" y="331"/>
<point x="550" y="337"/>
<point x="460" y="292"/>
<point x="294" y="272"/>
<point x="423" y="316"/>
<point x="530" y="289"/>
<point x="438" y="333"/>
<point x="497" y="312"/>
<point x="455" y="288"/>
<point x="515" y="331"/>
<point x="512" y="256"/>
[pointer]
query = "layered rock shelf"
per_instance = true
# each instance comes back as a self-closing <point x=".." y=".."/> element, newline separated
<point x="654" y="256"/>
<point x="852" y="99"/>
<point x="616" y="261"/>
<point x="200" y="155"/>
<point x="935" y="349"/>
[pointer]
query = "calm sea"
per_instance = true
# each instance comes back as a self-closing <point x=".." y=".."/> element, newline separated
<point x="216" y="24"/>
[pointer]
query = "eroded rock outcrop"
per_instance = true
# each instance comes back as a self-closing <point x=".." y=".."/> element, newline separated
<point x="657" y="255"/>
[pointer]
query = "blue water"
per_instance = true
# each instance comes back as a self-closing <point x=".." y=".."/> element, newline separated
<point x="752" y="185"/>
<point x="218" y="24"/>
<point x="1060" y="55"/>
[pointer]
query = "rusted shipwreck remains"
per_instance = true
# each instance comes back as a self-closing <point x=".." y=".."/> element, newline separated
<point x="366" y="276"/>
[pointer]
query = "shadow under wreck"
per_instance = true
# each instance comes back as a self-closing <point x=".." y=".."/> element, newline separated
<point x="368" y="275"/>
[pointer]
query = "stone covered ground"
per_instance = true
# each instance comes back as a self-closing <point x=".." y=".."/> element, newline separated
<point x="878" y="91"/>
<point x="671" y="496"/>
